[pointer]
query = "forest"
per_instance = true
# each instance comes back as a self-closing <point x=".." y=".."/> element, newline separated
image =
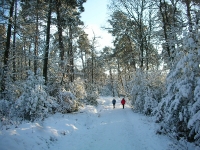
<point x="48" y="63"/>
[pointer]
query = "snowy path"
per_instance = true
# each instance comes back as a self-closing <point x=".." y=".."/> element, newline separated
<point x="93" y="128"/>
<point x="118" y="129"/>
<point x="113" y="129"/>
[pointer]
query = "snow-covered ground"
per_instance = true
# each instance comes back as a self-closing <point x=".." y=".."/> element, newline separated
<point x="92" y="128"/>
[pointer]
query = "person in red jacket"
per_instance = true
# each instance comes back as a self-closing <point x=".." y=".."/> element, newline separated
<point x="123" y="102"/>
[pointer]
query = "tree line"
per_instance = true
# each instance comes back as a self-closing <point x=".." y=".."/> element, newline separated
<point x="46" y="35"/>
<point x="48" y="64"/>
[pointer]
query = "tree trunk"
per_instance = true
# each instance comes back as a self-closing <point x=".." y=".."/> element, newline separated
<point x="93" y="63"/>
<point x="71" y="56"/>
<point x="36" y="41"/>
<point x="133" y="57"/>
<point x="7" y="50"/>
<point x="111" y="80"/>
<point x="60" y="37"/>
<point x="119" y="74"/>
<point x="83" y="63"/>
<point x="187" y="2"/>
<point x="14" y="42"/>
<point x="165" y="20"/>
<point x="45" y="68"/>
<point x="29" y="60"/>
<point x="141" y="34"/>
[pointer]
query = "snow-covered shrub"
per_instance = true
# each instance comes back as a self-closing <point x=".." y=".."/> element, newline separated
<point x="79" y="89"/>
<point x="106" y="90"/>
<point x="12" y="89"/>
<point x="34" y="103"/>
<point x="179" y="97"/>
<point x="53" y="89"/>
<point x="138" y="91"/>
<point x="67" y="101"/>
<point x="5" y="111"/>
<point x="194" y="121"/>
<point x="150" y="102"/>
<point x="146" y="91"/>
<point x="178" y="112"/>
<point x="4" y="107"/>
<point x="92" y="95"/>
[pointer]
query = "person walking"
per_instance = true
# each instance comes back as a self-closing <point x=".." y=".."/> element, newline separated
<point x="114" y="102"/>
<point x="123" y="102"/>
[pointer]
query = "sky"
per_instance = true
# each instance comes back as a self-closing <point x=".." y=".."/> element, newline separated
<point x="94" y="17"/>
<point x="91" y="128"/>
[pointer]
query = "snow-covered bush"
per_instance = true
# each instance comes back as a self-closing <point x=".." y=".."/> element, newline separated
<point x="92" y="95"/>
<point x="150" y="103"/>
<point x="12" y="88"/>
<point x="178" y="112"/>
<point x="147" y="91"/>
<point x="34" y="103"/>
<point x="194" y="121"/>
<point x="5" y="111"/>
<point x="4" y="107"/>
<point x="138" y="91"/>
<point x="53" y="89"/>
<point x="67" y="101"/>
<point x="106" y="90"/>
<point x="79" y="89"/>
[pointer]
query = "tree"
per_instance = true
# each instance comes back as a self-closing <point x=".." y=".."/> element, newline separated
<point x="67" y="20"/>
<point x="179" y="107"/>
<point x="121" y="29"/>
<point x="60" y="22"/>
<point x="169" y="16"/>
<point x="110" y="65"/>
<point x="84" y="46"/>
<point x="2" y="41"/>
<point x="132" y="25"/>
<point x="36" y="36"/>
<point x="188" y="4"/>
<point x="45" y="67"/>
<point x="7" y="49"/>
<point x="14" y="41"/>
<point x="91" y="62"/>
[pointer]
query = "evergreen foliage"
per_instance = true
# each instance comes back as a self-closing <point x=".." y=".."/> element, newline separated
<point x="34" y="102"/>
<point x="150" y="47"/>
<point x="67" y="101"/>
<point x="92" y="95"/>
<point x="147" y="91"/>
<point x="179" y="109"/>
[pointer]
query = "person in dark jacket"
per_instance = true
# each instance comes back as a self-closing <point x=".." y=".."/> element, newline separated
<point x="123" y="102"/>
<point x="114" y="102"/>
